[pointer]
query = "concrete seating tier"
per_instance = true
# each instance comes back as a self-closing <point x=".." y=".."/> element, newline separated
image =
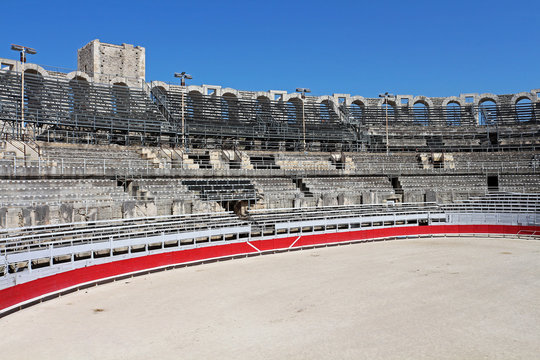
<point x="46" y="191"/>
<point x="444" y="182"/>
<point x="348" y="184"/>
<point x="81" y="155"/>
<point x="222" y="189"/>
<point x="383" y="161"/>
<point x="263" y="162"/>
<point x="304" y="162"/>
<point x="162" y="189"/>
<point x="276" y="187"/>
<point x="505" y="160"/>
<point x="520" y="183"/>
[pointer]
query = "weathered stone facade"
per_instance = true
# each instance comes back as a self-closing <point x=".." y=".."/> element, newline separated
<point x="112" y="63"/>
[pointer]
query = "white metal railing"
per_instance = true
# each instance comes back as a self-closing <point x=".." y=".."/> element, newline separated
<point x="23" y="238"/>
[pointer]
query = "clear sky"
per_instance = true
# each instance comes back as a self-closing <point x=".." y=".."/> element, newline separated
<point x="432" y="48"/>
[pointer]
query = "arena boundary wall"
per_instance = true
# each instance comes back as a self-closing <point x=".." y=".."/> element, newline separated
<point x="26" y="294"/>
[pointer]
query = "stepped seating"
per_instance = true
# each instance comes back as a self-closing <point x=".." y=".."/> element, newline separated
<point x="276" y="187"/>
<point x="520" y="183"/>
<point x="263" y="162"/>
<point x="498" y="201"/>
<point x="54" y="191"/>
<point x="81" y="155"/>
<point x="503" y="160"/>
<point x="446" y="182"/>
<point x="222" y="190"/>
<point x="304" y="162"/>
<point x="348" y="184"/>
<point x="385" y="162"/>
<point x="162" y="189"/>
<point x="201" y="159"/>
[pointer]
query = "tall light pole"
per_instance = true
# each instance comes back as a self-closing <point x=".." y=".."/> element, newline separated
<point x="23" y="50"/>
<point x="386" y="97"/>
<point x="303" y="91"/>
<point x="183" y="76"/>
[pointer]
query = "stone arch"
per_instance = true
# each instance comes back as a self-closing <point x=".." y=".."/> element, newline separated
<point x="158" y="83"/>
<point x="482" y="98"/>
<point x="34" y="92"/>
<point x="229" y="106"/>
<point x="79" y="75"/>
<point x="230" y="91"/>
<point x="263" y="110"/>
<point x="523" y="104"/>
<point x="420" y="107"/>
<point x="357" y="110"/>
<point x="197" y="88"/>
<point x="487" y="108"/>
<point x="359" y="100"/>
<point x="392" y="108"/>
<point x="36" y="69"/>
<point x="159" y="92"/>
<point x="194" y="103"/>
<point x="161" y="89"/>
<point x="391" y="102"/>
<point x="325" y="110"/>
<point x="453" y="99"/>
<point x="452" y="111"/>
<point x="294" y="110"/>
<point x="289" y="97"/>
<point x="79" y="96"/>
<point x="520" y="96"/>
<point x="423" y="100"/>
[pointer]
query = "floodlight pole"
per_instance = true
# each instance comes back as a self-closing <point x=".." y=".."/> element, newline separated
<point x="183" y="76"/>
<point x="303" y="91"/>
<point x="386" y="95"/>
<point x="23" y="50"/>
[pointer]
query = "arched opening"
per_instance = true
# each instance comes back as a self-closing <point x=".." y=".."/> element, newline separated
<point x="421" y="113"/>
<point x="390" y="109"/>
<point x="487" y="113"/>
<point x="120" y="100"/>
<point x="324" y="111"/>
<point x="160" y="96"/>
<point x="294" y="111"/>
<point x="524" y="109"/>
<point x="453" y="113"/>
<point x="357" y="111"/>
<point x="33" y="93"/>
<point x="262" y="109"/>
<point x="79" y="95"/>
<point x="229" y="107"/>
<point x="194" y="104"/>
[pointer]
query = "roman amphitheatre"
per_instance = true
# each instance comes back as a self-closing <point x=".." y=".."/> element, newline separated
<point x="142" y="218"/>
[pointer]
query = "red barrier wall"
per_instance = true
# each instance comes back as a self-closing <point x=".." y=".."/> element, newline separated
<point x="39" y="287"/>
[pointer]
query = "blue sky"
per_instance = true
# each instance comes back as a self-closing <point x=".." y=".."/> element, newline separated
<point x="432" y="48"/>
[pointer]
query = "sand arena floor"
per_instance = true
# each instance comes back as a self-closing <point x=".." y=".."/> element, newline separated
<point x="408" y="299"/>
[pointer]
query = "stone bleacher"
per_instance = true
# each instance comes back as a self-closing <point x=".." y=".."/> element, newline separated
<point x="350" y="190"/>
<point x="276" y="192"/>
<point x="442" y="188"/>
<point x="520" y="183"/>
<point x="78" y="155"/>
<point x="301" y="162"/>
<point x="44" y="201"/>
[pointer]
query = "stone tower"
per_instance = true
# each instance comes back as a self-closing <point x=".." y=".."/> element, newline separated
<point x="108" y="62"/>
